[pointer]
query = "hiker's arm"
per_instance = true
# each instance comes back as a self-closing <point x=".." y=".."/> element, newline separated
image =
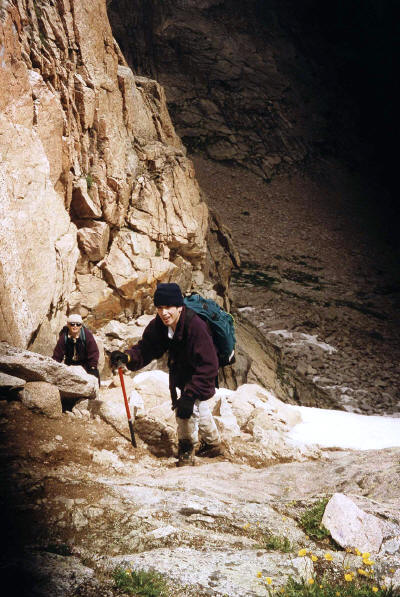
<point x="59" y="350"/>
<point x="92" y="351"/>
<point x="204" y="358"/>
<point x="151" y="346"/>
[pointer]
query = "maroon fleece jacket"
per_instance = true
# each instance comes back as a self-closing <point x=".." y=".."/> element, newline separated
<point x="193" y="360"/>
<point x="88" y="354"/>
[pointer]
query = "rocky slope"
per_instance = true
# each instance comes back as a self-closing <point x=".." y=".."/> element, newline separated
<point x="78" y="500"/>
<point x="318" y="278"/>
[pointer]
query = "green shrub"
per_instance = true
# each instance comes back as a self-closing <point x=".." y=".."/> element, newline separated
<point x="276" y="543"/>
<point x="140" y="582"/>
<point x="89" y="181"/>
<point x="310" y="521"/>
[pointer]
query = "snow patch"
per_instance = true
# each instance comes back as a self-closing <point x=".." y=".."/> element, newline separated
<point x="339" y="429"/>
<point x="300" y="339"/>
<point x="155" y="375"/>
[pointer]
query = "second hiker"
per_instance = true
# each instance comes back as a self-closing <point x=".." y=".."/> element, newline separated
<point x="76" y="346"/>
<point x="193" y="369"/>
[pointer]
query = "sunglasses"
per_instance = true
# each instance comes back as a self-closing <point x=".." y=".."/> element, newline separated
<point x="75" y="325"/>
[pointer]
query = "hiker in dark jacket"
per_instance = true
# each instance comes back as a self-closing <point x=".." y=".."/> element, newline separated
<point x="77" y="346"/>
<point x="193" y="369"/>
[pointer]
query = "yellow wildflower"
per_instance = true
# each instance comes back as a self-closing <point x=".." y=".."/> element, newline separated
<point x="391" y="570"/>
<point x="337" y="594"/>
<point x="302" y="552"/>
<point x="383" y="587"/>
<point x="348" y="577"/>
<point x="283" y="517"/>
<point x="357" y="552"/>
<point x="311" y="581"/>
<point x="246" y="526"/>
<point x="268" y="580"/>
<point x="365" y="555"/>
<point x="328" y="557"/>
<point x="375" y="589"/>
<point x="259" y="574"/>
<point x="314" y="558"/>
<point x="362" y="572"/>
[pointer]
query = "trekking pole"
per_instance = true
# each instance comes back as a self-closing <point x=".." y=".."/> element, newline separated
<point x="128" y="412"/>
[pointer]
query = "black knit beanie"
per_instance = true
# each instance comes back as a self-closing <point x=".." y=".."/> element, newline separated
<point x="168" y="295"/>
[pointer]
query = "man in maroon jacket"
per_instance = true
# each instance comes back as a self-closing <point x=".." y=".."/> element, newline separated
<point x="193" y="369"/>
<point x="76" y="346"/>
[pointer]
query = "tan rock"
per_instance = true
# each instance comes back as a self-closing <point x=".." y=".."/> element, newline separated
<point x="32" y="233"/>
<point x="171" y="212"/>
<point x="82" y="204"/>
<point x="93" y="239"/>
<point x="85" y="98"/>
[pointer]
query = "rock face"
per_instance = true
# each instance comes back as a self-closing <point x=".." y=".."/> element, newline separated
<point x="98" y="200"/>
<point x="238" y="81"/>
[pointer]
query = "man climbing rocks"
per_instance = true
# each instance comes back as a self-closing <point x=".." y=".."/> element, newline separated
<point x="193" y="369"/>
<point x="77" y="346"/>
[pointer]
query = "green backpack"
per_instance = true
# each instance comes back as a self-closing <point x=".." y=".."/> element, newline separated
<point x="220" y="323"/>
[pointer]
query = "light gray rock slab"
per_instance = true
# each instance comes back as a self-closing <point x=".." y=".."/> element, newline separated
<point x="10" y="381"/>
<point x="350" y="526"/>
<point x="72" y="382"/>
<point x="222" y="572"/>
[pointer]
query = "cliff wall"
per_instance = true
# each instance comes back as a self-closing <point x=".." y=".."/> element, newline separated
<point x="98" y="199"/>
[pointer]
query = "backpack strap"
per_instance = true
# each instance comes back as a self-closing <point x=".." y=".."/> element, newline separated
<point x="189" y="314"/>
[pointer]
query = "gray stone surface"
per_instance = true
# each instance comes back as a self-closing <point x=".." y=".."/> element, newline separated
<point x="42" y="397"/>
<point x="72" y="382"/>
<point x="11" y="382"/>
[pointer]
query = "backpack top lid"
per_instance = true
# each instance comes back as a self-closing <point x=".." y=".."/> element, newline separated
<point x="220" y="323"/>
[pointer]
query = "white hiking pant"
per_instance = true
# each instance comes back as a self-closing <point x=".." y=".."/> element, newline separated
<point x="200" y="423"/>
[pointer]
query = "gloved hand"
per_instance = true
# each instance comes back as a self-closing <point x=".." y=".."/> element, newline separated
<point x="117" y="358"/>
<point x="184" y="407"/>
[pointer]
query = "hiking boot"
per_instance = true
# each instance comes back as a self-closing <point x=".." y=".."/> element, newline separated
<point x="185" y="453"/>
<point x="209" y="450"/>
